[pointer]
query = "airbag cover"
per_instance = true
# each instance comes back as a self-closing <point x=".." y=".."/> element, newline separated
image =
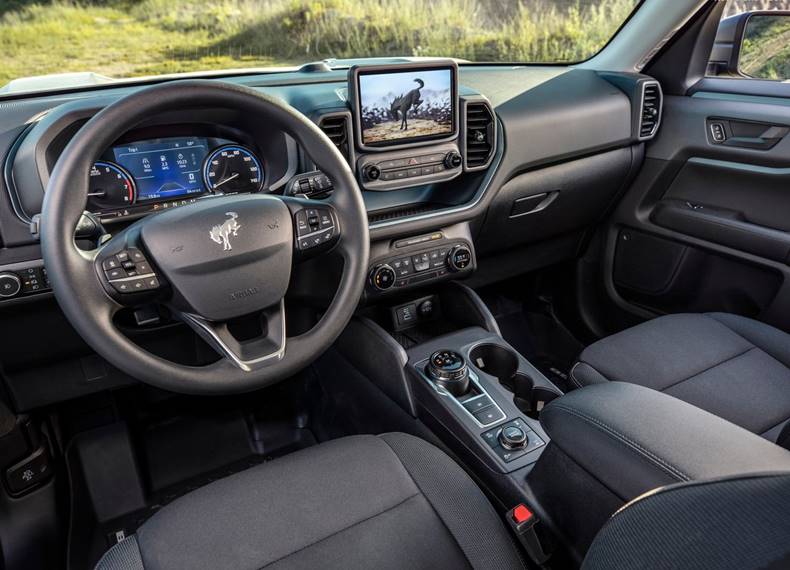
<point x="225" y="257"/>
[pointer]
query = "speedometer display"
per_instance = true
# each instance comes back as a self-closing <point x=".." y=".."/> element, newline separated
<point x="232" y="169"/>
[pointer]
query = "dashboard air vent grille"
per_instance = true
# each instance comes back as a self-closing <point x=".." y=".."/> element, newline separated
<point x="651" y="110"/>
<point x="336" y="128"/>
<point x="479" y="135"/>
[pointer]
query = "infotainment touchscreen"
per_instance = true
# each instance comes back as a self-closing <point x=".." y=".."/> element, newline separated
<point x="164" y="168"/>
<point x="398" y="105"/>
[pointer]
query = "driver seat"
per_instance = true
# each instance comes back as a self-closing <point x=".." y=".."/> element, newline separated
<point x="389" y="501"/>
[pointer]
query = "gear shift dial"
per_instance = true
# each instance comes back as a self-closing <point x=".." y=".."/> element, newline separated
<point x="449" y="370"/>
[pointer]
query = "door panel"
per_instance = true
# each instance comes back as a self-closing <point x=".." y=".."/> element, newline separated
<point x="708" y="219"/>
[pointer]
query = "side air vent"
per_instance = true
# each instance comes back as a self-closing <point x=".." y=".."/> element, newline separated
<point x="336" y="128"/>
<point x="651" y="110"/>
<point x="479" y="135"/>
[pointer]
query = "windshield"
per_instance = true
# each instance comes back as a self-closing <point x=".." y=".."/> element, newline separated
<point x="92" y="42"/>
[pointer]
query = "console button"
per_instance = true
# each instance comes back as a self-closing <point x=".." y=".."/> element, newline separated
<point x="478" y="403"/>
<point x="489" y="415"/>
<point x="426" y="170"/>
<point x="10" y="284"/>
<point x="459" y="258"/>
<point x="509" y="455"/>
<point x="413" y="172"/>
<point x="29" y="472"/>
<point x="406" y="314"/>
<point x="513" y="437"/>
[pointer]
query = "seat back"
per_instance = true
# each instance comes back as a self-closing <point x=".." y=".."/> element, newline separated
<point x="736" y="522"/>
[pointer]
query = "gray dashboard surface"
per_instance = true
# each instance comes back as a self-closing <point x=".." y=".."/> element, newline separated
<point x="546" y="115"/>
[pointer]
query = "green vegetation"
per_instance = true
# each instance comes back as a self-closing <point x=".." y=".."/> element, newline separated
<point x="123" y="38"/>
<point x="765" y="52"/>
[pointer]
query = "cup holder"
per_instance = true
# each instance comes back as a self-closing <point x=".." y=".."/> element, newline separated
<point x="496" y="361"/>
<point x="502" y="363"/>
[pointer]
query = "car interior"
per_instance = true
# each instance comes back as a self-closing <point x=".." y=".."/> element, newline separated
<point x="520" y="316"/>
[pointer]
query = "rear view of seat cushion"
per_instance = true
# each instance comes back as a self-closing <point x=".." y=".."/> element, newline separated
<point x="731" y="366"/>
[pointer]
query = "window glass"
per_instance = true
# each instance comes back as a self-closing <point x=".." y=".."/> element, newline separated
<point x="101" y="40"/>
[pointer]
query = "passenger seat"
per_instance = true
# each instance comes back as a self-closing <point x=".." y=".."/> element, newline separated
<point x="731" y="366"/>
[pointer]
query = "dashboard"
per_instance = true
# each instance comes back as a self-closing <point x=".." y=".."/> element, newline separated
<point x="496" y="170"/>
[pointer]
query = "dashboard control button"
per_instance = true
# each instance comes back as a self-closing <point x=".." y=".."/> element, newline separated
<point x="10" y="285"/>
<point x="111" y="263"/>
<point x="136" y="255"/>
<point x="459" y="258"/>
<point x="372" y="172"/>
<point x="382" y="277"/>
<point x="452" y="160"/>
<point x="509" y="455"/>
<point x="477" y="404"/>
<point x="425" y="309"/>
<point x="488" y="416"/>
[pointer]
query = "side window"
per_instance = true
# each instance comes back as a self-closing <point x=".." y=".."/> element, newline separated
<point x="753" y="41"/>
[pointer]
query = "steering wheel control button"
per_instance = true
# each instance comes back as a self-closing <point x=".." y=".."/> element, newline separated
<point x="10" y="285"/>
<point x="128" y="271"/>
<point x="314" y="227"/>
<point x="382" y="277"/>
<point x="448" y="369"/>
<point x="512" y="437"/>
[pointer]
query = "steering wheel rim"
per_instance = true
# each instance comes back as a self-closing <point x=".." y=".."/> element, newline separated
<point x="85" y="300"/>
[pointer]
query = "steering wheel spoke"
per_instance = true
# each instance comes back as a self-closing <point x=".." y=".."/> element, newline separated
<point x="251" y="354"/>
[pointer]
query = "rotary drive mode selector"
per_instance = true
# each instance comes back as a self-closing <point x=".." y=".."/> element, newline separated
<point x="449" y="370"/>
<point x="513" y="437"/>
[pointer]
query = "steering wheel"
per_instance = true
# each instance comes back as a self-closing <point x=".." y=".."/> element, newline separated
<point x="213" y="261"/>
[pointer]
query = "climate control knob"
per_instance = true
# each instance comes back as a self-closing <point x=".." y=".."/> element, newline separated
<point x="382" y="277"/>
<point x="452" y="160"/>
<point x="372" y="172"/>
<point x="459" y="258"/>
<point x="10" y="285"/>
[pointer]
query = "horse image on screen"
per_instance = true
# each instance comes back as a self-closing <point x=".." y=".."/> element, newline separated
<point x="405" y="105"/>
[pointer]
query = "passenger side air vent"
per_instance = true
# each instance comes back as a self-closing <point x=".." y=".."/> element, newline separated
<point x="479" y="135"/>
<point x="651" y="110"/>
<point x="336" y="128"/>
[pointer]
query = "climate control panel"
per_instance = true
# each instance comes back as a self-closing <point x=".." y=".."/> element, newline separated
<point x="425" y="265"/>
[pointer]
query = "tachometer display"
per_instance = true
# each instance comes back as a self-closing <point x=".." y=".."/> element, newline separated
<point x="110" y="186"/>
<point x="232" y="169"/>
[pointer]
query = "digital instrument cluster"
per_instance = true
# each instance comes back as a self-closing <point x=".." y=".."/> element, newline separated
<point x="144" y="176"/>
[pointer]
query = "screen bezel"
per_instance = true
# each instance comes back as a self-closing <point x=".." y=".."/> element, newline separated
<point x="356" y="102"/>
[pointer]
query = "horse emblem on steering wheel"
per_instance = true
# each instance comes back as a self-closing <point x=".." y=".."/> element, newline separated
<point x="221" y="233"/>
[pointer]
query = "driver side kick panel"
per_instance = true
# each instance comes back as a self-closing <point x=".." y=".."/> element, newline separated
<point x="705" y="226"/>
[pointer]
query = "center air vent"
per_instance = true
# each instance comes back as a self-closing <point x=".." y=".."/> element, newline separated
<point x="479" y="135"/>
<point x="336" y="128"/>
<point x="651" y="110"/>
